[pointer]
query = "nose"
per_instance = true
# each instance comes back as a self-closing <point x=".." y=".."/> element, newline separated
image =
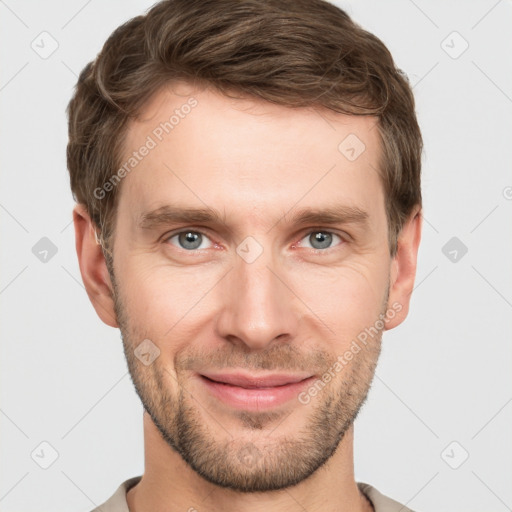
<point x="258" y="304"/>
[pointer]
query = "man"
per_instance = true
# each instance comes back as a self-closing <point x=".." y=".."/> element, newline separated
<point x="247" y="179"/>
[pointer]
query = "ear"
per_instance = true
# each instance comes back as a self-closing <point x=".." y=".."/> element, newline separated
<point x="93" y="266"/>
<point x="403" y="269"/>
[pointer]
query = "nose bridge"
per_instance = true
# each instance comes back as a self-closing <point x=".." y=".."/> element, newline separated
<point x="257" y="307"/>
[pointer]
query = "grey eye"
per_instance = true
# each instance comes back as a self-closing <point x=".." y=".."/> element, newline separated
<point x="320" y="239"/>
<point x="189" y="240"/>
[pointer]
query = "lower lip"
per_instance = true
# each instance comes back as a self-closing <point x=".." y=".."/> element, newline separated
<point x="255" y="399"/>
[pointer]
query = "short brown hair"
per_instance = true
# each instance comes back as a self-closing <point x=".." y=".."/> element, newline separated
<point x="294" y="53"/>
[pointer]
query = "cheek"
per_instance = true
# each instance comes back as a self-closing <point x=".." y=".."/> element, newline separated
<point x="347" y="299"/>
<point x="165" y="300"/>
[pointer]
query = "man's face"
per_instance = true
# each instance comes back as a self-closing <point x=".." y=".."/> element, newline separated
<point x="256" y="291"/>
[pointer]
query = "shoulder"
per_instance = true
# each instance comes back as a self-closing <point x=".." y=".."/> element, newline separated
<point x="381" y="502"/>
<point x="117" y="502"/>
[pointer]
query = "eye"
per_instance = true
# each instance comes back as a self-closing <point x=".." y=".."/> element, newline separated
<point x="320" y="240"/>
<point x="190" y="240"/>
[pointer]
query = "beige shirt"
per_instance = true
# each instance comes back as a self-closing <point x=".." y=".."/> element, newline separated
<point x="381" y="503"/>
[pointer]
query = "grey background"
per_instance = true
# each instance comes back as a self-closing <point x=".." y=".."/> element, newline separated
<point x="444" y="375"/>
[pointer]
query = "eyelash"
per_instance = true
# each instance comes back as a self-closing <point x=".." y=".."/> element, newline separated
<point x="344" y="239"/>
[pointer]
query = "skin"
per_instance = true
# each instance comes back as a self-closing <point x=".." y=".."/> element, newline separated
<point x="293" y="308"/>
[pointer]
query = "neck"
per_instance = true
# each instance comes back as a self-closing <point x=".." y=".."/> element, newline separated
<point x="170" y="485"/>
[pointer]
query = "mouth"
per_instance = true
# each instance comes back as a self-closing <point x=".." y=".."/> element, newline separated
<point x="255" y="392"/>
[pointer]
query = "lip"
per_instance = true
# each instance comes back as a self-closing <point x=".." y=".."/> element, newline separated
<point x="256" y="381"/>
<point x="255" y="392"/>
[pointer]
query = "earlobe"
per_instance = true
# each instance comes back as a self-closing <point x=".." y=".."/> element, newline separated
<point x="403" y="269"/>
<point x="93" y="267"/>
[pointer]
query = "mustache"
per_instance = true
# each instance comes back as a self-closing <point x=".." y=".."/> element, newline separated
<point x="279" y="357"/>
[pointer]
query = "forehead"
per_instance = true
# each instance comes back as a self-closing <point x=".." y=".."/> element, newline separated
<point x="249" y="157"/>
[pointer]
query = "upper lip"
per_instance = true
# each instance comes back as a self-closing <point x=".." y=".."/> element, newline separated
<point x="256" y="381"/>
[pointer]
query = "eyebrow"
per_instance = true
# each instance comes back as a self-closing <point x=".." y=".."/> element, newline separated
<point x="167" y="215"/>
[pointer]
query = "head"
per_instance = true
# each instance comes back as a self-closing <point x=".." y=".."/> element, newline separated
<point x="247" y="179"/>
